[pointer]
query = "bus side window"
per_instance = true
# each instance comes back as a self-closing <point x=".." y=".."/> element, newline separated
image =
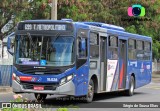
<point x="113" y="53"/>
<point x="82" y="47"/>
<point x="94" y="45"/>
<point x="132" y="49"/>
<point x="113" y="48"/>
<point x="140" y="50"/>
<point x="147" y="50"/>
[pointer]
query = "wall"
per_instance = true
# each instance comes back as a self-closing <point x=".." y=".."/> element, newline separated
<point x="6" y="62"/>
<point x="5" y="75"/>
<point x="155" y="67"/>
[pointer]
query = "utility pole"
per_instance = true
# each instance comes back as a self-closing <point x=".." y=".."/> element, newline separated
<point x="54" y="10"/>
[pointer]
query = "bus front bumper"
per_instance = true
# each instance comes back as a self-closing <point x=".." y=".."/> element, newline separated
<point x="65" y="89"/>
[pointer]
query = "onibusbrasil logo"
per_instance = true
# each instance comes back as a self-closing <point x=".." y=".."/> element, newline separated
<point x="136" y="10"/>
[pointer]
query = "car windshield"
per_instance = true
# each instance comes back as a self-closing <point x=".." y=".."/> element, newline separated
<point x="44" y="50"/>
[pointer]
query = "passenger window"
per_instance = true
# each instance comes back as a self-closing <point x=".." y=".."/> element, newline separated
<point x="94" y="45"/>
<point x="132" y="44"/>
<point x="113" y="48"/>
<point x="139" y="45"/>
<point x="147" y="50"/>
<point x="132" y="49"/>
<point x="113" y="41"/>
<point x="140" y="50"/>
<point x="82" y="47"/>
<point x="147" y="46"/>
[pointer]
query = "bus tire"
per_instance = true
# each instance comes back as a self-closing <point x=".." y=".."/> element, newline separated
<point x="40" y="97"/>
<point x="90" y="94"/>
<point x="130" y="91"/>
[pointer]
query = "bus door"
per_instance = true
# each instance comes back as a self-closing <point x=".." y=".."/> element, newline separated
<point x="103" y="62"/>
<point x="112" y="64"/>
<point x="122" y="63"/>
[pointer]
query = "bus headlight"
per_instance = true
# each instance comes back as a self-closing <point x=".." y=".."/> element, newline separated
<point x="66" y="79"/>
<point x="63" y="81"/>
<point x="69" y="77"/>
<point x="18" y="79"/>
<point x="13" y="76"/>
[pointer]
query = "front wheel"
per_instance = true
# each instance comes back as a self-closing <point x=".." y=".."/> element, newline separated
<point x="90" y="94"/>
<point x="40" y="97"/>
<point x="130" y="91"/>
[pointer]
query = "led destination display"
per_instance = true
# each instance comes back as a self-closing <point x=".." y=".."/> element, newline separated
<point x="44" y="27"/>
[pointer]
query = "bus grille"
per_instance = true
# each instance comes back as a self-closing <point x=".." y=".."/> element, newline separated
<point x="31" y="71"/>
<point x="47" y="86"/>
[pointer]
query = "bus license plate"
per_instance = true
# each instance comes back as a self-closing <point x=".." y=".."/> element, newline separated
<point x="38" y="87"/>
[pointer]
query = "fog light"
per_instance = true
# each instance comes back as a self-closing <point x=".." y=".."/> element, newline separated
<point x="63" y="81"/>
<point x="18" y="79"/>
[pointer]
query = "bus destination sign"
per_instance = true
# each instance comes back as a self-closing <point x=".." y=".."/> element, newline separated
<point x="45" y="27"/>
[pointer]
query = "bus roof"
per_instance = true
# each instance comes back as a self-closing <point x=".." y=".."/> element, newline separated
<point x="120" y="31"/>
<point x="117" y="30"/>
<point x="130" y="35"/>
<point x="103" y="25"/>
<point x="44" y="21"/>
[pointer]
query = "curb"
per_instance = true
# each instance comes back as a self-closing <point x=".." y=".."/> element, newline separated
<point x="4" y="89"/>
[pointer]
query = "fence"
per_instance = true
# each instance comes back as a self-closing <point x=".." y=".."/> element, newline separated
<point x="156" y="67"/>
<point x="5" y="75"/>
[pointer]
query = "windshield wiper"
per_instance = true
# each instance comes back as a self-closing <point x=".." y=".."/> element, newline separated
<point x="30" y="38"/>
<point x="34" y="47"/>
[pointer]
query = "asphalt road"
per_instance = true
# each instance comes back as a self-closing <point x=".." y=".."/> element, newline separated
<point x="148" y="93"/>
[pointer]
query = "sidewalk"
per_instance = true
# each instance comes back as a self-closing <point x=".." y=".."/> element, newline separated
<point x="156" y="77"/>
<point x="5" y="89"/>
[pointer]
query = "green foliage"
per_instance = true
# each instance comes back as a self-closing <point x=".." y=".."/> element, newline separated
<point x="131" y="29"/>
<point x="18" y="10"/>
<point x="112" y="12"/>
<point x="107" y="11"/>
<point x="62" y="109"/>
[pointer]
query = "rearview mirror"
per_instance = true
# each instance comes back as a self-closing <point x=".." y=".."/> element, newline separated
<point x="9" y="43"/>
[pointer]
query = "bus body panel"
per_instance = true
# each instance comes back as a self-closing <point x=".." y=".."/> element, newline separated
<point x="83" y="71"/>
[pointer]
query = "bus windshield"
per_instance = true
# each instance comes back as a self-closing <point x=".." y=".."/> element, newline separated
<point x="44" y="50"/>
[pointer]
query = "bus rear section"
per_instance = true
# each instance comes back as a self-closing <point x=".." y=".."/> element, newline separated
<point x="119" y="61"/>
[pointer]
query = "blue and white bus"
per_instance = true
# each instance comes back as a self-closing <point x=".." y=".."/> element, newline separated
<point x="78" y="59"/>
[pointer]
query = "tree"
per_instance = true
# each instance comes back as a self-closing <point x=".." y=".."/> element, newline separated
<point x="112" y="12"/>
<point x="8" y="11"/>
<point x="107" y="11"/>
<point x="13" y="11"/>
